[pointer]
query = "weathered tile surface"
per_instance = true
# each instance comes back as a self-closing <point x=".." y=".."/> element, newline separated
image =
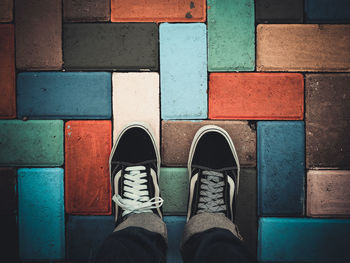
<point x="269" y="96"/>
<point x="136" y="99"/>
<point x="231" y="38"/>
<point x="7" y="72"/>
<point x="31" y="143"/>
<point x="9" y="238"/>
<point x="64" y="95"/>
<point x="327" y="11"/>
<point x="183" y="71"/>
<point x="158" y="11"/>
<point x="327" y="120"/>
<point x="303" y="240"/>
<point x="328" y="193"/>
<point x="38" y="34"/>
<point x="8" y="195"/>
<point x="246" y="217"/>
<point x="85" y="234"/>
<point x="87" y="149"/>
<point x="6" y="10"/>
<point x="86" y="10"/>
<point x="281" y="168"/>
<point x="116" y="46"/>
<point x="175" y="226"/>
<point x="173" y="183"/>
<point x="177" y="137"/>
<point x="276" y="11"/>
<point x="41" y="213"/>
<point x="303" y="48"/>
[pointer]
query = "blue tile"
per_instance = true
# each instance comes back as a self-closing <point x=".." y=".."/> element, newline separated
<point x="175" y="226"/>
<point x="327" y="11"/>
<point x="41" y="213"/>
<point x="281" y="168"/>
<point x="304" y="240"/>
<point x="183" y="71"/>
<point x="85" y="234"/>
<point x="64" y="95"/>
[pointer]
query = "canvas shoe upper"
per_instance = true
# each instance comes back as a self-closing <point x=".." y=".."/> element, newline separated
<point x="134" y="166"/>
<point x="213" y="173"/>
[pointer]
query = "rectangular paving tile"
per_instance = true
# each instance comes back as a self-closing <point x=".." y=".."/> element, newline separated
<point x="303" y="240"/>
<point x="117" y="46"/>
<point x="327" y="120"/>
<point x="38" y="34"/>
<point x="158" y="11"/>
<point x="231" y="35"/>
<point x="177" y="137"/>
<point x="303" y="48"/>
<point x="246" y="216"/>
<point x="31" y="143"/>
<point x="9" y="238"/>
<point x="86" y="10"/>
<point x="173" y="183"/>
<point x="328" y="193"/>
<point x="281" y="168"/>
<point x="8" y="193"/>
<point x="269" y="96"/>
<point x="327" y="11"/>
<point x="41" y="213"/>
<point x="64" y="95"/>
<point x="277" y="11"/>
<point x="136" y="99"/>
<point x="87" y="186"/>
<point x="175" y="226"/>
<point x="7" y="72"/>
<point x="183" y="71"/>
<point x="6" y="11"/>
<point x="85" y="234"/>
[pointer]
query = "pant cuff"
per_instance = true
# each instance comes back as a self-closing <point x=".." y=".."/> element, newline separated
<point x="204" y="221"/>
<point x="148" y="221"/>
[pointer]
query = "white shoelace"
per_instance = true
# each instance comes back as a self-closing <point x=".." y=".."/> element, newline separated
<point x="136" y="195"/>
<point x="211" y="193"/>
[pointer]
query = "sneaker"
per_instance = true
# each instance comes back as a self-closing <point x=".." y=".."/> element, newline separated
<point x="213" y="172"/>
<point x="134" y="166"/>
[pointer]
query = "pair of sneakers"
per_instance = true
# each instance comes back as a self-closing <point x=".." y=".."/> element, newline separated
<point x="135" y="166"/>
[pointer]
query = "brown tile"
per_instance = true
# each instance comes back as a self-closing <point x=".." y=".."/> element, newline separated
<point x="38" y="34"/>
<point x="86" y="10"/>
<point x="6" y="10"/>
<point x="302" y="47"/>
<point x="177" y="137"/>
<point x="7" y="72"/>
<point x="328" y="193"/>
<point x="327" y="120"/>
<point x="8" y="180"/>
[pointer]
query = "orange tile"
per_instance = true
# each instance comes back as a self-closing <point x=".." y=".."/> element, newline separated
<point x="87" y="148"/>
<point x="158" y="11"/>
<point x="7" y="72"/>
<point x="256" y="96"/>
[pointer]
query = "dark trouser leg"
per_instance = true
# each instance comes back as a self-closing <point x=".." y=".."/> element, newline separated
<point x="213" y="238"/>
<point x="140" y="238"/>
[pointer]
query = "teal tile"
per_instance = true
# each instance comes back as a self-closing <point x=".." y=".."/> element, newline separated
<point x="231" y="35"/>
<point x="174" y="190"/>
<point x="41" y="213"/>
<point x="31" y="143"/>
<point x="304" y="240"/>
<point x="175" y="226"/>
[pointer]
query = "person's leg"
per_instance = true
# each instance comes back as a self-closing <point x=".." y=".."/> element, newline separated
<point x="210" y="234"/>
<point x="140" y="234"/>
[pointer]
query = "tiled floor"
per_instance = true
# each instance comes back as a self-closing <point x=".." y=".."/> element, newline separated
<point x="275" y="74"/>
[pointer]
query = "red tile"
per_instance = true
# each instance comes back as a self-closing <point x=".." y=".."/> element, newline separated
<point x="7" y="72"/>
<point x="87" y="148"/>
<point x="158" y="11"/>
<point x="328" y="193"/>
<point x="256" y="96"/>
